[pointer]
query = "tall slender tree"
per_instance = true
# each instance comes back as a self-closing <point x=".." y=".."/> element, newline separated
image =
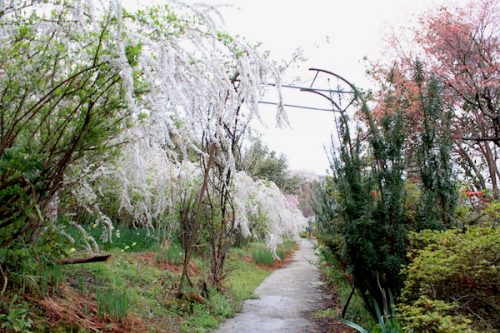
<point x="438" y="185"/>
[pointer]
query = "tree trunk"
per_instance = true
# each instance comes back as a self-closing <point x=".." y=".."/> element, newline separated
<point x="477" y="177"/>
<point x="194" y="223"/>
<point x="492" y="169"/>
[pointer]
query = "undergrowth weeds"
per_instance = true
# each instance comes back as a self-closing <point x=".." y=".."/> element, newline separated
<point x="135" y="290"/>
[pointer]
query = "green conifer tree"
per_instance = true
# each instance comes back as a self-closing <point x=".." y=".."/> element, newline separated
<point x="438" y="184"/>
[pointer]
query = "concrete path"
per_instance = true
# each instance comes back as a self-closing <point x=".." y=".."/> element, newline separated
<point x="284" y="299"/>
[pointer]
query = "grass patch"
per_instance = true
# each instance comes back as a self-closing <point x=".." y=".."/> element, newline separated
<point x="172" y="255"/>
<point x="14" y="316"/>
<point x="50" y="278"/>
<point x="325" y="313"/>
<point x="286" y="248"/>
<point x="244" y="278"/>
<point x="206" y="317"/>
<point x="147" y="286"/>
<point x="111" y="302"/>
<point x="133" y="284"/>
<point x="151" y="290"/>
<point x="126" y="239"/>
<point x="262" y="256"/>
<point x="334" y="274"/>
<point x="241" y="282"/>
<point x="200" y="320"/>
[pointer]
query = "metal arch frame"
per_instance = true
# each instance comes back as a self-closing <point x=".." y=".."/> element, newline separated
<point x="321" y="92"/>
<point x="356" y="94"/>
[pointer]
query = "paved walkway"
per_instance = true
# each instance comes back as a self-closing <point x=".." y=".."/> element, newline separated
<point x="284" y="299"/>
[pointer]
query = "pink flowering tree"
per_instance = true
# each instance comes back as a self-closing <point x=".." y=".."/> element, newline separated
<point x="463" y="49"/>
<point x="460" y="46"/>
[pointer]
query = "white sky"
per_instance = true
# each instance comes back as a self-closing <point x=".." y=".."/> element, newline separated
<point x="334" y="35"/>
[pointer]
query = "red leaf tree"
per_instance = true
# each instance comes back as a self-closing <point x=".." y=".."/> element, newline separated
<point x="459" y="45"/>
<point x="462" y="47"/>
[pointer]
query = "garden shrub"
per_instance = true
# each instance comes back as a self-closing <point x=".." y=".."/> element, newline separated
<point x="491" y="214"/>
<point x="478" y="212"/>
<point x="452" y="281"/>
<point x="428" y="315"/>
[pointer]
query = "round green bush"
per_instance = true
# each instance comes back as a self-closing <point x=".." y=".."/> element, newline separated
<point x="453" y="281"/>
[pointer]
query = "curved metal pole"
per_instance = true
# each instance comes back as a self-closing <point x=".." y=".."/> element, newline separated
<point x="355" y="91"/>
<point x="312" y="90"/>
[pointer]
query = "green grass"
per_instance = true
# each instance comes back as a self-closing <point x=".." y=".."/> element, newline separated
<point x="325" y="313"/>
<point x="126" y="239"/>
<point x="205" y="317"/>
<point x="129" y="284"/>
<point x="147" y="286"/>
<point x="262" y="256"/>
<point x="150" y="290"/>
<point x="244" y="278"/>
<point x="173" y="254"/>
<point x="201" y="320"/>
<point x="14" y="316"/>
<point x="50" y="278"/>
<point x="286" y="247"/>
<point x="334" y="274"/>
<point x="111" y="302"/>
<point x="241" y="282"/>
